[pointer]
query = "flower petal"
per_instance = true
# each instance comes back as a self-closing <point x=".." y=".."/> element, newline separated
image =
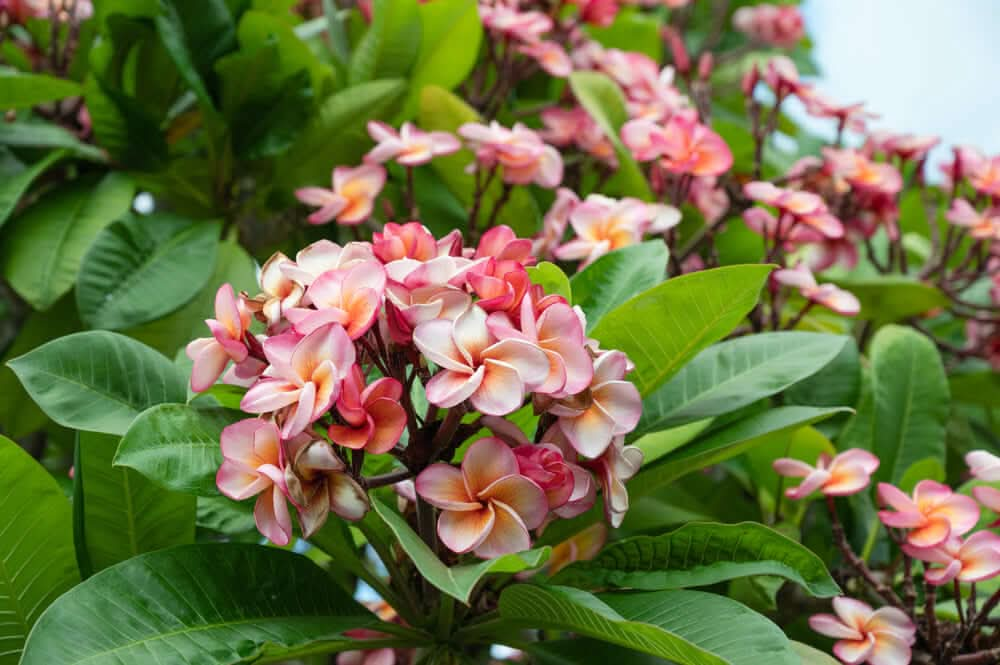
<point x="447" y="388"/>
<point x="831" y="626"/>
<point x="501" y="391"/>
<point x="462" y="531"/>
<point x="522" y="496"/>
<point x="486" y="461"/>
<point x="442" y="485"/>
<point x="272" y="517"/>
<point x="508" y="535"/>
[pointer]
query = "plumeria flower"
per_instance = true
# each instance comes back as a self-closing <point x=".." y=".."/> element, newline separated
<point x="683" y="146"/>
<point x="985" y="466"/>
<point x="487" y="506"/>
<point x="843" y="475"/>
<point x="304" y="377"/>
<point x="828" y="295"/>
<point x="613" y="408"/>
<point x="279" y="292"/>
<point x="410" y="146"/>
<point x="774" y="25"/>
<point x="550" y="56"/>
<point x="975" y="559"/>
<point x="212" y="354"/>
<point x="933" y="514"/>
<point x="985" y="175"/>
<point x="982" y="225"/>
<point x="617" y="464"/>
<point x="880" y="637"/>
<point x="351" y="199"/>
<point x="318" y="484"/>
<point x="604" y="224"/>
<point x="252" y="465"/>
<point x="413" y="241"/>
<point x="804" y="208"/>
<point x="545" y="465"/>
<point x="350" y="297"/>
<point x="863" y="173"/>
<point x="505" y="19"/>
<point x="323" y="256"/>
<point x="374" y="419"/>
<point x="493" y="374"/>
<point x="525" y="158"/>
<point x="850" y="116"/>
<point x="597" y="12"/>
<point x="908" y="147"/>
<point x="782" y="76"/>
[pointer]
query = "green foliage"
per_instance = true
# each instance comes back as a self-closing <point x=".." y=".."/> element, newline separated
<point x="617" y="276"/>
<point x="552" y="279"/>
<point x="194" y="600"/>
<point x="701" y="554"/>
<point x="36" y="546"/>
<point x="20" y="90"/>
<point x="97" y="381"/>
<point x="887" y="299"/>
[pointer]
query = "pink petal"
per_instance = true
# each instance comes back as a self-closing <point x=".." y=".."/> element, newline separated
<point x="907" y="520"/>
<point x="589" y="433"/>
<point x="983" y="465"/>
<point x="831" y="626"/>
<point x="315" y="196"/>
<point x="462" y="531"/>
<point x="526" y="358"/>
<point x="890" y="650"/>
<point x="961" y="511"/>
<point x="852" y="612"/>
<point x="813" y="482"/>
<point x="621" y="401"/>
<point x="269" y="395"/>
<point x="791" y="468"/>
<point x="301" y="414"/>
<point x="485" y="462"/>
<point x="854" y="651"/>
<point x="442" y="486"/>
<point x="935" y="532"/>
<point x="209" y="363"/>
<point x="988" y="496"/>
<point x="390" y="421"/>
<point x="272" y="516"/>
<point x="892" y="496"/>
<point x="434" y="339"/>
<point x="501" y="391"/>
<point x="347" y="498"/>
<point x="520" y="495"/>
<point x="858" y="457"/>
<point x="448" y="389"/>
<point x="891" y="619"/>
<point x="507" y="536"/>
<point x="234" y="481"/>
<point x="939" y="576"/>
<point x="846" y="480"/>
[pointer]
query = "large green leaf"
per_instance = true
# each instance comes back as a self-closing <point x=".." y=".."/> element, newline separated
<point x="142" y="268"/>
<point x="440" y="110"/>
<point x="663" y="328"/>
<point x="177" y="446"/>
<point x="211" y="604"/>
<point x="886" y="299"/>
<point x="725" y="443"/>
<point x="701" y="554"/>
<point x="456" y="581"/>
<point x="44" y="135"/>
<point x="911" y="401"/>
<point x="617" y="276"/>
<point x="120" y="513"/>
<point x="98" y="381"/>
<point x="233" y="266"/>
<point x="46" y="243"/>
<point x="684" y="627"/>
<point x="837" y="384"/>
<point x="20" y="90"/>
<point x="449" y="48"/>
<point x="13" y="187"/>
<point x="36" y="546"/>
<point x="732" y="374"/>
<point x="604" y="101"/>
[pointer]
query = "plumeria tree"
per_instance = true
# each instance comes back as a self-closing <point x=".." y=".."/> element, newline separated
<point x="390" y="332"/>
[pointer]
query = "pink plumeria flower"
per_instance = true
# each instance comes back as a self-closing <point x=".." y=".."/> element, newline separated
<point x="846" y="474"/>
<point x="597" y="12"/>
<point x="908" y="147"/>
<point x="862" y="173"/>
<point x="684" y="145"/>
<point x="505" y="19"/>
<point x="880" y="637"/>
<point x="828" y="295"/>
<point x="550" y="56"/>
<point x="982" y="225"/>
<point x="279" y="292"/>
<point x="774" y="25"/>
<point x="975" y="559"/>
<point x="318" y="484"/>
<point x="304" y="377"/>
<point x="613" y="409"/>
<point x="350" y="297"/>
<point x="604" y="224"/>
<point x="804" y="208"/>
<point x="617" y="464"/>
<point x="413" y="241"/>
<point x="487" y="507"/>
<point x="252" y="465"/>
<point x="985" y="466"/>
<point x="782" y="76"/>
<point x="933" y="514"/>
<point x="850" y="116"/>
<point x="474" y="365"/>
<point x="374" y="419"/>
<point x="212" y="354"/>
<point x="525" y="158"/>
<point x="557" y="331"/>
<point x="545" y="465"/>
<point x="409" y="146"/>
<point x="352" y="198"/>
<point x="323" y="256"/>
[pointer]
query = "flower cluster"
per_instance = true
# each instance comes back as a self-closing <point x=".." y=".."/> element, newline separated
<point x="773" y="25"/>
<point x="344" y="335"/>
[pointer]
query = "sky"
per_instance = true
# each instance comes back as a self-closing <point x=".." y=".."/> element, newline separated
<point x="926" y="66"/>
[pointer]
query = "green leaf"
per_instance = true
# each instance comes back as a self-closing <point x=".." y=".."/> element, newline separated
<point x="976" y="387"/>
<point x="456" y="581"/>
<point x="604" y="101"/>
<point x="36" y="546"/>
<point x="836" y="384"/>
<point x="585" y="651"/>
<point x="631" y="31"/>
<point x="336" y="133"/>
<point x="663" y="328"/>
<point x="233" y="266"/>
<point x="364" y="57"/>
<point x="732" y="374"/>
<point x="340" y="45"/>
<point x="440" y="110"/>
<point x="177" y="446"/>
<point x="449" y="48"/>
<point x="219" y="603"/>
<point x="46" y="243"/>
<point x="911" y="401"/>
<point x="887" y="299"/>
<point x="930" y="468"/>
<point x="144" y="267"/>
<point x="400" y="48"/>
<point x="811" y="656"/>
<point x="701" y="554"/>
<point x="14" y="187"/>
<point x="617" y="276"/>
<point x="551" y="279"/>
<point x="725" y="443"/>
<point x="98" y="381"/>
<point x="20" y="90"/>
<point x="684" y="627"/>
<point x="121" y="513"/>
<point x="44" y="135"/>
